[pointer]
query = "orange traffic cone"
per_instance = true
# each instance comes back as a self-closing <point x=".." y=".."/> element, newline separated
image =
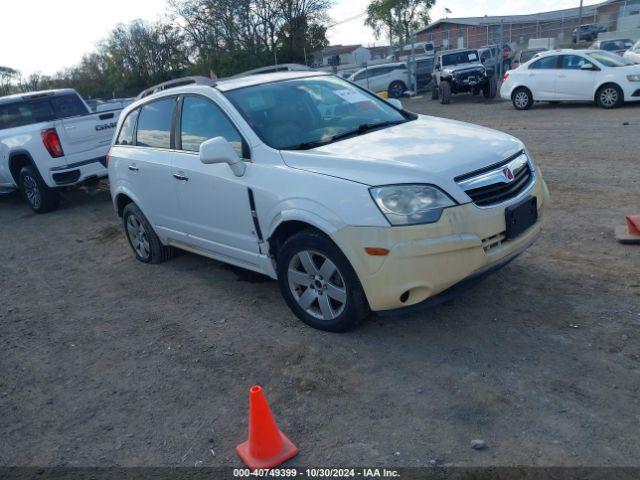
<point x="267" y="446"/>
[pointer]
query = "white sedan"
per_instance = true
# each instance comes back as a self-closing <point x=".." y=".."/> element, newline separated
<point x="633" y="54"/>
<point x="573" y="75"/>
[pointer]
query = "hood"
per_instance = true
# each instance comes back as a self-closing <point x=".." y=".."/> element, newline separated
<point x="427" y="150"/>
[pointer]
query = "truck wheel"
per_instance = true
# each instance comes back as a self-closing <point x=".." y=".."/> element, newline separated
<point x="319" y="284"/>
<point x="142" y="238"/>
<point x="435" y="92"/>
<point x="445" y="92"/>
<point x="490" y="89"/>
<point x="396" y="89"/>
<point x="522" y="98"/>
<point x="38" y="195"/>
<point x="609" y="96"/>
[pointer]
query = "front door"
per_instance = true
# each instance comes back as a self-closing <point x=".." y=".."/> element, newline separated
<point x="214" y="203"/>
<point x="573" y="82"/>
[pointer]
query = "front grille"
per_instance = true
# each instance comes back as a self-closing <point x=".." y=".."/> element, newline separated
<point x="490" y="185"/>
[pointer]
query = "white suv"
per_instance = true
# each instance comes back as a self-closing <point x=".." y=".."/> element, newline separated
<point x="392" y="78"/>
<point x="350" y="202"/>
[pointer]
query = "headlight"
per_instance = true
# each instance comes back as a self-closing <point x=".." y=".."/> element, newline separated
<point x="633" y="78"/>
<point x="411" y="204"/>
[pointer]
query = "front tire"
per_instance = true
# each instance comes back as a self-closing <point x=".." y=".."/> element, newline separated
<point x="522" y="99"/>
<point x="610" y="96"/>
<point x="445" y="93"/>
<point x="143" y="240"/>
<point x="38" y="195"/>
<point x="490" y="89"/>
<point x="396" y="89"/>
<point x="319" y="284"/>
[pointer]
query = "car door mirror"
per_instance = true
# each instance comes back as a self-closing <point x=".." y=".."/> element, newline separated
<point x="587" y="66"/>
<point x="395" y="102"/>
<point x="219" y="150"/>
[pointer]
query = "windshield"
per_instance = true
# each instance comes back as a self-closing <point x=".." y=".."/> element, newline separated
<point x="309" y="112"/>
<point x="609" y="59"/>
<point x="460" y="57"/>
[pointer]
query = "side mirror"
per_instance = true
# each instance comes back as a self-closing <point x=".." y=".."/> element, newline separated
<point x="587" y="66"/>
<point x="395" y="102"/>
<point x="219" y="150"/>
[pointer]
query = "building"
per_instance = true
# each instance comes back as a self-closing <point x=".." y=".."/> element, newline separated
<point x="474" y="32"/>
<point x="380" y="53"/>
<point x="348" y="54"/>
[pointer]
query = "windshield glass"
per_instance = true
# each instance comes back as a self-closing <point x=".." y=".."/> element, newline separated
<point x="609" y="59"/>
<point x="308" y="112"/>
<point x="460" y="57"/>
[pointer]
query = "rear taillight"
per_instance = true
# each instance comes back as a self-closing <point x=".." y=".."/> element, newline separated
<point x="106" y="158"/>
<point x="51" y="142"/>
<point x="506" y="75"/>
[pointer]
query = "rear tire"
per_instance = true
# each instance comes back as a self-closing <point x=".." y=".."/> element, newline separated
<point x="396" y="89"/>
<point x="38" y="195"/>
<point x="326" y="296"/>
<point x="143" y="240"/>
<point x="435" y="92"/>
<point x="522" y="98"/>
<point x="445" y="93"/>
<point x="610" y="96"/>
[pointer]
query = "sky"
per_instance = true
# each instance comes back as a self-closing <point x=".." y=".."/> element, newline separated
<point x="38" y="36"/>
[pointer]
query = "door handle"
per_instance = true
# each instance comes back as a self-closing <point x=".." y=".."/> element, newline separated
<point x="178" y="176"/>
<point x="133" y="168"/>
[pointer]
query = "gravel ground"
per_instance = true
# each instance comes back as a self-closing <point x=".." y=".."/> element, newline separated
<point x="106" y="361"/>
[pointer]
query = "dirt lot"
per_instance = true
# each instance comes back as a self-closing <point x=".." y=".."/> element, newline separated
<point x="106" y="361"/>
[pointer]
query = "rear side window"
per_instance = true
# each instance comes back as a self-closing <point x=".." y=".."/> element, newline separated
<point x="68" y="106"/>
<point x="18" y="114"/>
<point x="545" y="63"/>
<point x="154" y="124"/>
<point x="125" y="137"/>
<point x="202" y="120"/>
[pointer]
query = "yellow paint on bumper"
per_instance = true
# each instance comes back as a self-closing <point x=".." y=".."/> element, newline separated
<point x="425" y="260"/>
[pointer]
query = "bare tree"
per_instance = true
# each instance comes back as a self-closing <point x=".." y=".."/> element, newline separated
<point x="7" y="77"/>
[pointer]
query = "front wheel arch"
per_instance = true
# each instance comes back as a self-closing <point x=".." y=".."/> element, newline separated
<point x="596" y="96"/>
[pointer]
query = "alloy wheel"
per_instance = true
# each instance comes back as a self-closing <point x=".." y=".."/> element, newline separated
<point x="32" y="191"/>
<point x="609" y="97"/>
<point x="317" y="285"/>
<point x="138" y="237"/>
<point x="521" y="99"/>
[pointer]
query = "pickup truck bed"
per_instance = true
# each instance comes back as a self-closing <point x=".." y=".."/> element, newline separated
<point x="53" y="135"/>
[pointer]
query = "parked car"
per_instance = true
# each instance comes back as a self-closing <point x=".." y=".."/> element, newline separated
<point x="461" y="71"/>
<point x="320" y="184"/>
<point x="570" y="75"/>
<point x="525" y="55"/>
<point x="392" y="78"/>
<point x="490" y="57"/>
<point x="588" y="32"/>
<point x="419" y="50"/>
<point x="48" y="140"/>
<point x="633" y="54"/>
<point x="618" y="46"/>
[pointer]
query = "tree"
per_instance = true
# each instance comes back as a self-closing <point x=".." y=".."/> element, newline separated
<point x="400" y="17"/>
<point x="7" y="77"/>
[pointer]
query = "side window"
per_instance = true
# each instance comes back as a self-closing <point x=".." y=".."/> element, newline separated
<point x="573" y="62"/>
<point x="125" y="137"/>
<point x="545" y="63"/>
<point x="24" y="113"/>
<point x="154" y="124"/>
<point x="68" y="106"/>
<point x="360" y="76"/>
<point x="202" y="120"/>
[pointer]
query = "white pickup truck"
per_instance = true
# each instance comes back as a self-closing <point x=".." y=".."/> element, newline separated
<point x="50" y="140"/>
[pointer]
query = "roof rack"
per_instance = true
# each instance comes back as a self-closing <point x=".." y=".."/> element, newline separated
<point x="178" y="82"/>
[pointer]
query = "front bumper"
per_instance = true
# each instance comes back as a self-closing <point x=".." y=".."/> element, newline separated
<point x="425" y="260"/>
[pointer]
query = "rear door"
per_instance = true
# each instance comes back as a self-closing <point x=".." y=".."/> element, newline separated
<point x="573" y="83"/>
<point x="148" y="169"/>
<point x="542" y="76"/>
<point x="82" y="131"/>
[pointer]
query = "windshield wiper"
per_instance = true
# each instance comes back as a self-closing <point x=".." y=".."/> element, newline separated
<point x="361" y="130"/>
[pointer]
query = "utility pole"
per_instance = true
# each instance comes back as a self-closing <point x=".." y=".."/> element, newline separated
<point x="412" y="65"/>
<point x="579" y="23"/>
<point x="500" y="62"/>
